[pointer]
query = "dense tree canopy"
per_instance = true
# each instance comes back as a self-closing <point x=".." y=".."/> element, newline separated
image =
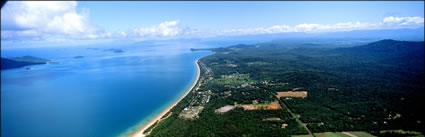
<point x="377" y="86"/>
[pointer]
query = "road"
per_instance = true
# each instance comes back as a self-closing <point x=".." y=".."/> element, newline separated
<point x="296" y="118"/>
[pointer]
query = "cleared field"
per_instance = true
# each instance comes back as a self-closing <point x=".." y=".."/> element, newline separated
<point x="234" y="79"/>
<point x="331" y="134"/>
<point x="299" y="94"/>
<point x="258" y="63"/>
<point x="300" y="136"/>
<point x="361" y="134"/>
<point x="191" y="113"/>
<point x="272" y="106"/>
<point x="339" y="134"/>
<point x="272" y="119"/>
<point x="224" y="109"/>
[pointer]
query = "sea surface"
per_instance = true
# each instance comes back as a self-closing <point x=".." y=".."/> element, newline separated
<point x="104" y="93"/>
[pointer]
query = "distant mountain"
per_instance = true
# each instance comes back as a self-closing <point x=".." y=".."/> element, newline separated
<point x="17" y="62"/>
<point x="405" y="54"/>
<point x="396" y="34"/>
<point x="361" y="35"/>
<point x="387" y="47"/>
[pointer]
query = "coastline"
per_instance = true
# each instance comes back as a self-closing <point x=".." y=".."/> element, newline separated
<point x="139" y="132"/>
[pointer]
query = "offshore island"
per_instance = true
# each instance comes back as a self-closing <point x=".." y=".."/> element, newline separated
<point x="271" y="89"/>
<point x="18" y="62"/>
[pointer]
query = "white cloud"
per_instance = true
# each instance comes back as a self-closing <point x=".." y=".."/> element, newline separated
<point x="387" y="23"/>
<point x="165" y="30"/>
<point x="45" y="20"/>
<point x="60" y="21"/>
<point x="347" y="26"/>
<point x="403" y="20"/>
<point x="123" y="34"/>
<point x="34" y="14"/>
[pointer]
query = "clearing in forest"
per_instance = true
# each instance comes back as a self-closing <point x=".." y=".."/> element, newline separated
<point x="272" y="119"/>
<point x="224" y="109"/>
<point x="265" y="106"/>
<point x="270" y="106"/>
<point x="300" y="94"/>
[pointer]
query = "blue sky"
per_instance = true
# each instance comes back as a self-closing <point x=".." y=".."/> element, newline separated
<point x="244" y="14"/>
<point x="75" y="22"/>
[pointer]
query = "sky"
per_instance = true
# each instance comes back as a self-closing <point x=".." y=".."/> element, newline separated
<point x="83" y="21"/>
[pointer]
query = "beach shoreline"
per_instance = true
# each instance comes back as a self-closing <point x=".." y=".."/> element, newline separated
<point x="139" y="132"/>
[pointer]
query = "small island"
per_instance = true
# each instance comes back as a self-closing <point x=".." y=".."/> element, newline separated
<point x="199" y="49"/>
<point x="115" y="50"/>
<point x="78" y="57"/>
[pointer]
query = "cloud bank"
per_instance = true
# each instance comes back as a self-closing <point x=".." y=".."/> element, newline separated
<point x="60" y="21"/>
<point x="165" y="30"/>
<point x="403" y="20"/>
<point x="41" y="20"/>
<point x="387" y="23"/>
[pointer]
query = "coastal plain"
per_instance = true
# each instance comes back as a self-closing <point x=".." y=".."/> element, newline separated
<point x="364" y="90"/>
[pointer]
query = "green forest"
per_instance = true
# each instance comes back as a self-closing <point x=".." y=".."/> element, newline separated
<point x="373" y="87"/>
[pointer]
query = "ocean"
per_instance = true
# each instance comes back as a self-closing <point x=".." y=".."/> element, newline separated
<point x="103" y="92"/>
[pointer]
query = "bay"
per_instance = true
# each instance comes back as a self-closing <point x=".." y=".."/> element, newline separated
<point x="100" y="93"/>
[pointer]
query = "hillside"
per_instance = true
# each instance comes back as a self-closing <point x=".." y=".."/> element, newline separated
<point x="29" y="59"/>
<point x="17" y="62"/>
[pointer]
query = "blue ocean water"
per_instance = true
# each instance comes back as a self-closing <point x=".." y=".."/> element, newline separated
<point x="102" y="94"/>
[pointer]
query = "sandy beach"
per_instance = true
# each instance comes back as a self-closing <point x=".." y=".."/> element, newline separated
<point x="139" y="132"/>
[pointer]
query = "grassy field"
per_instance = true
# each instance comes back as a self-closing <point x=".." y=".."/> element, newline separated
<point x="233" y="80"/>
<point x="361" y="134"/>
<point x="259" y="63"/>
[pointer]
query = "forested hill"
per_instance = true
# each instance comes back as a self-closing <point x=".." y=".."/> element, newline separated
<point x="392" y="46"/>
<point x="409" y="55"/>
<point x="372" y="87"/>
<point x="389" y="48"/>
<point x="17" y="62"/>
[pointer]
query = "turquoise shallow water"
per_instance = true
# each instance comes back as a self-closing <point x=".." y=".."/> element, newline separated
<point x="102" y="94"/>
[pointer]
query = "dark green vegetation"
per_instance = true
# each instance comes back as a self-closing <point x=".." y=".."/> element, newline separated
<point x="17" y="62"/>
<point x="396" y="133"/>
<point x="373" y="87"/>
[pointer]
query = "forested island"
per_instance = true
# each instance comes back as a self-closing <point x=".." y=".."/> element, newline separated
<point x="270" y="90"/>
<point x="18" y="62"/>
